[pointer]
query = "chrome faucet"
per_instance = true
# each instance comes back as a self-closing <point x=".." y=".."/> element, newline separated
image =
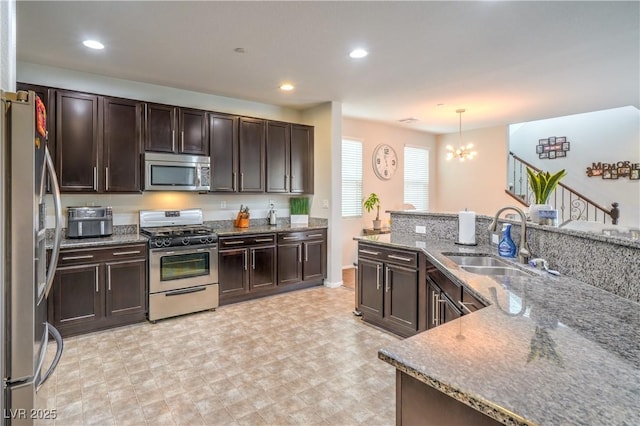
<point x="523" y="251"/>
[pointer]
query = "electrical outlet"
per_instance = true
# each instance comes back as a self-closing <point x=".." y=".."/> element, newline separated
<point x="223" y="204"/>
<point x="495" y="239"/>
<point x="325" y="204"/>
<point x="421" y="229"/>
<point x="271" y="203"/>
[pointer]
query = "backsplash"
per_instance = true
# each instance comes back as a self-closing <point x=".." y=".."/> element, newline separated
<point x="610" y="263"/>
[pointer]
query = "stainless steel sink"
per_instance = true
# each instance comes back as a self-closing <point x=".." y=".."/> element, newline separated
<point x="483" y="260"/>
<point x="495" y="270"/>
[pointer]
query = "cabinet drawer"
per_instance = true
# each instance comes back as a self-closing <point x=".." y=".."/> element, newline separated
<point x="470" y="302"/>
<point x="371" y="252"/>
<point x="91" y="255"/>
<point x="246" y="240"/>
<point x="401" y="257"/>
<point x="314" y="234"/>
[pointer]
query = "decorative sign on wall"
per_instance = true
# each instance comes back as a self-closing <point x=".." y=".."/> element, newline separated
<point x="615" y="170"/>
<point x="552" y="147"/>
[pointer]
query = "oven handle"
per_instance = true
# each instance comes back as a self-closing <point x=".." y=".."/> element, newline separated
<point x="184" y="291"/>
<point x="182" y="250"/>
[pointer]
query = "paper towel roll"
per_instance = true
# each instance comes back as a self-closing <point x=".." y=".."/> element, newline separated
<point x="467" y="227"/>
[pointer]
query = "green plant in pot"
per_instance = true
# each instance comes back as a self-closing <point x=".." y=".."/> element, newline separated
<point x="299" y="211"/>
<point x="542" y="184"/>
<point x="369" y="204"/>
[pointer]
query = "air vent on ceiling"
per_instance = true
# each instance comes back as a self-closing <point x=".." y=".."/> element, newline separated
<point x="408" y="120"/>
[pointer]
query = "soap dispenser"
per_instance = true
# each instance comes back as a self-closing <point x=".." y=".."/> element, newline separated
<point x="506" y="247"/>
<point x="273" y="218"/>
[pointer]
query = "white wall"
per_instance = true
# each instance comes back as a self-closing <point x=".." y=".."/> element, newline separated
<point x="607" y="136"/>
<point x="391" y="192"/>
<point x="479" y="184"/>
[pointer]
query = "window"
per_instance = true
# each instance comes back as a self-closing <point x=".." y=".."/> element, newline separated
<point x="351" y="178"/>
<point x="416" y="177"/>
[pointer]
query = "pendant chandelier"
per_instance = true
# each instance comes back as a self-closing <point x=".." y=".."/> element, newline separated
<point x="461" y="152"/>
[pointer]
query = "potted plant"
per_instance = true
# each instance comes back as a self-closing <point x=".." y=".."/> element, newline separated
<point x="369" y="204"/>
<point x="542" y="185"/>
<point x="299" y="209"/>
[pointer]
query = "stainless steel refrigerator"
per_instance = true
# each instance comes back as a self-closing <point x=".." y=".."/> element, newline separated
<point x="25" y="276"/>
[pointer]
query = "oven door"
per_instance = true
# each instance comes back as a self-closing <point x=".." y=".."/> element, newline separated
<point x="176" y="268"/>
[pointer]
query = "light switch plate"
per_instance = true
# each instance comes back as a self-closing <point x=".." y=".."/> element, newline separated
<point x="421" y="229"/>
<point x="325" y="204"/>
<point x="223" y="204"/>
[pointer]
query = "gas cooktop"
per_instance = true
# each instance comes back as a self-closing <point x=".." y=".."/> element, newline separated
<point x="171" y="228"/>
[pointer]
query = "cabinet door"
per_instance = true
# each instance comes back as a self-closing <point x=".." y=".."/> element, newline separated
<point x="401" y="296"/>
<point x="76" y="299"/>
<point x="122" y="140"/>
<point x="77" y="141"/>
<point x="370" y="287"/>
<point x="277" y="152"/>
<point x="193" y="132"/>
<point x="251" y="154"/>
<point x="301" y="159"/>
<point x="125" y="288"/>
<point x="160" y="128"/>
<point x="223" y="138"/>
<point x="315" y="259"/>
<point x="289" y="263"/>
<point x="232" y="272"/>
<point x="263" y="268"/>
<point x="448" y="310"/>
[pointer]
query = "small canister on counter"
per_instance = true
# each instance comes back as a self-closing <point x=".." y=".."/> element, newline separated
<point x="548" y="217"/>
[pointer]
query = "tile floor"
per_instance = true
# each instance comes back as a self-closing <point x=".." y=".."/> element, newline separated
<point x="297" y="358"/>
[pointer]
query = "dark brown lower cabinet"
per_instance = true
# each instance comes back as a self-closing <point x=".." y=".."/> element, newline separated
<point x="302" y="257"/>
<point x="388" y="289"/>
<point x="419" y="404"/>
<point x="246" y="266"/>
<point x="95" y="289"/>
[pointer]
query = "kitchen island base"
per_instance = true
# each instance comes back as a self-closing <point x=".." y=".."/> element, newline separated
<point x="420" y="404"/>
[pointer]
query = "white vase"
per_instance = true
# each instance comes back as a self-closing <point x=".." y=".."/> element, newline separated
<point x="534" y="210"/>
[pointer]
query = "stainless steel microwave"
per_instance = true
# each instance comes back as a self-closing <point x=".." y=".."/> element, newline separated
<point x="176" y="172"/>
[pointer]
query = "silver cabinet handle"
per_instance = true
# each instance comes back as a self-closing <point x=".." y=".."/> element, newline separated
<point x="233" y="181"/>
<point x="96" y="276"/>
<point x="253" y="259"/>
<point x="286" y="182"/>
<point x="306" y="252"/>
<point x="464" y="306"/>
<point x="434" y="297"/>
<point x="393" y="256"/>
<point x="106" y="178"/>
<point x="264" y="240"/>
<point x="289" y="238"/>
<point x="244" y="255"/>
<point x="241" y="181"/>
<point x="378" y="276"/>
<point x="109" y="277"/>
<point x="182" y="140"/>
<point x="86" y="256"/>
<point x="230" y="243"/>
<point x="299" y="254"/>
<point x="373" y="253"/>
<point x="95" y="178"/>
<point x="124" y="253"/>
<point x="387" y="281"/>
<point x="173" y="140"/>
<point x="314" y="235"/>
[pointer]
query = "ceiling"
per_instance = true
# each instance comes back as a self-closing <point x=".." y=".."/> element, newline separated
<point x="504" y="62"/>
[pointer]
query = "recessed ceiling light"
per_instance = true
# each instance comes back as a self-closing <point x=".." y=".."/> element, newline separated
<point x="287" y="87"/>
<point x="358" y="53"/>
<point x="408" y="120"/>
<point x="93" y="44"/>
<point x="240" y="50"/>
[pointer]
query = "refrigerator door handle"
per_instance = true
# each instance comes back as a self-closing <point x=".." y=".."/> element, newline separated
<point x="55" y="189"/>
<point x="41" y="379"/>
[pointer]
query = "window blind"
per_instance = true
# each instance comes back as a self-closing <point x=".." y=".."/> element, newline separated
<point x="416" y="177"/>
<point x="351" y="178"/>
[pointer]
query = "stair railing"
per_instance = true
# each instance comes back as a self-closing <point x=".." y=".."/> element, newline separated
<point x="571" y="205"/>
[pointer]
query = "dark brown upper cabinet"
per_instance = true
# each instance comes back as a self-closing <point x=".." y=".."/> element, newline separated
<point x="176" y="130"/>
<point x="301" y="159"/>
<point x="78" y="141"/>
<point x="278" y="156"/>
<point x="289" y="166"/>
<point x="223" y="138"/>
<point x="251" y="155"/>
<point x="122" y="140"/>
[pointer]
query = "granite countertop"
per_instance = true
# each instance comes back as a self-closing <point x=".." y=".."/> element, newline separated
<point x="264" y="229"/>
<point x="547" y="350"/>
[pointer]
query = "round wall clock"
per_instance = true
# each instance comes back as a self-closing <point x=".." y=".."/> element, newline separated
<point x="385" y="161"/>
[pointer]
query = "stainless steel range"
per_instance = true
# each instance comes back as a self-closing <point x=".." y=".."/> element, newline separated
<point x="183" y="262"/>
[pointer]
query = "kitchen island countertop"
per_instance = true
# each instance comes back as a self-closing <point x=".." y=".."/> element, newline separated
<point x="546" y="350"/>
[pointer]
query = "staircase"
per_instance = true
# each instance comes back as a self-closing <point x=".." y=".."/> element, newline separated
<point x="571" y="205"/>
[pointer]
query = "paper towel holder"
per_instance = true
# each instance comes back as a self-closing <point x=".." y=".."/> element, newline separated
<point x="460" y="243"/>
